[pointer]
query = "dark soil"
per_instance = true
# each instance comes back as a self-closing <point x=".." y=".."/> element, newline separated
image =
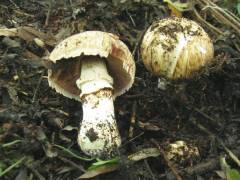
<point x="203" y="111"/>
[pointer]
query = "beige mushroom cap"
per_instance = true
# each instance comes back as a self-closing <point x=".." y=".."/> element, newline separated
<point x="120" y="63"/>
<point x="176" y="48"/>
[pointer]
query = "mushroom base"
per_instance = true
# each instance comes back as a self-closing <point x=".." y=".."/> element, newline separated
<point x="98" y="134"/>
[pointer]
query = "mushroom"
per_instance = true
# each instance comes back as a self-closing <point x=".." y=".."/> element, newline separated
<point x="94" y="68"/>
<point x="176" y="48"/>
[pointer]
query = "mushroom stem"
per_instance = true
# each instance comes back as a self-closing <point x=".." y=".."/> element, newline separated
<point x="98" y="135"/>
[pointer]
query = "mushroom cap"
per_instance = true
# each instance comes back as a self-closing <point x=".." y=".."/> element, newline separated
<point x="176" y="48"/>
<point x="68" y="55"/>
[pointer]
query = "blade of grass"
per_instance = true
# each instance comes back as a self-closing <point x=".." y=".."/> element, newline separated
<point x="12" y="166"/>
<point x="73" y="154"/>
<point x="100" y="162"/>
<point x="11" y="143"/>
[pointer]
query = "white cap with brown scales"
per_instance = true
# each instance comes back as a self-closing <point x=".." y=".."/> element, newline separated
<point x="93" y="67"/>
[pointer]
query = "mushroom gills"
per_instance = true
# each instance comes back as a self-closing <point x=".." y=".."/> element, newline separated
<point x="98" y="135"/>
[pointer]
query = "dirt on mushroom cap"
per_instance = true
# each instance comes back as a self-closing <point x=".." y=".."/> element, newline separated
<point x="176" y="48"/>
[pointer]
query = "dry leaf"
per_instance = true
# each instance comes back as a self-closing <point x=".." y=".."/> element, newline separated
<point x="69" y="128"/>
<point x="174" y="11"/>
<point x="10" y="42"/>
<point x="144" y="153"/>
<point x="100" y="170"/>
<point x="8" y="32"/>
<point x="29" y="55"/>
<point x="148" y="126"/>
<point x="28" y="34"/>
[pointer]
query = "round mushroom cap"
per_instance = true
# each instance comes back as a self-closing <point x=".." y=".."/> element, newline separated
<point x="176" y="48"/>
<point x="67" y="56"/>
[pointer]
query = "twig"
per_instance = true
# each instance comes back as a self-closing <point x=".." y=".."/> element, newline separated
<point x="133" y="120"/>
<point x="37" y="88"/>
<point x="205" y="115"/>
<point x="79" y="167"/>
<point x="170" y="165"/>
<point x="16" y="6"/>
<point x="17" y="11"/>
<point x="59" y="111"/>
<point x="233" y="15"/>
<point x="138" y="41"/>
<point x="48" y="13"/>
<point x="9" y="115"/>
<point x="230" y="153"/>
<point x="131" y="140"/>
<point x="123" y="29"/>
<point x="35" y="171"/>
<point x="213" y="28"/>
<point x="202" y="167"/>
<point x="134" y="96"/>
<point x="204" y="129"/>
<point x="230" y="17"/>
<point x="221" y="15"/>
<point x="149" y="169"/>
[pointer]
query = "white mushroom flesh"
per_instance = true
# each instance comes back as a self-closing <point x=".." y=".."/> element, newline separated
<point x="98" y="135"/>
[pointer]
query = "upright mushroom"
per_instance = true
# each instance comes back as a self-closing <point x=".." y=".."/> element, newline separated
<point x="93" y="67"/>
<point x="176" y="48"/>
